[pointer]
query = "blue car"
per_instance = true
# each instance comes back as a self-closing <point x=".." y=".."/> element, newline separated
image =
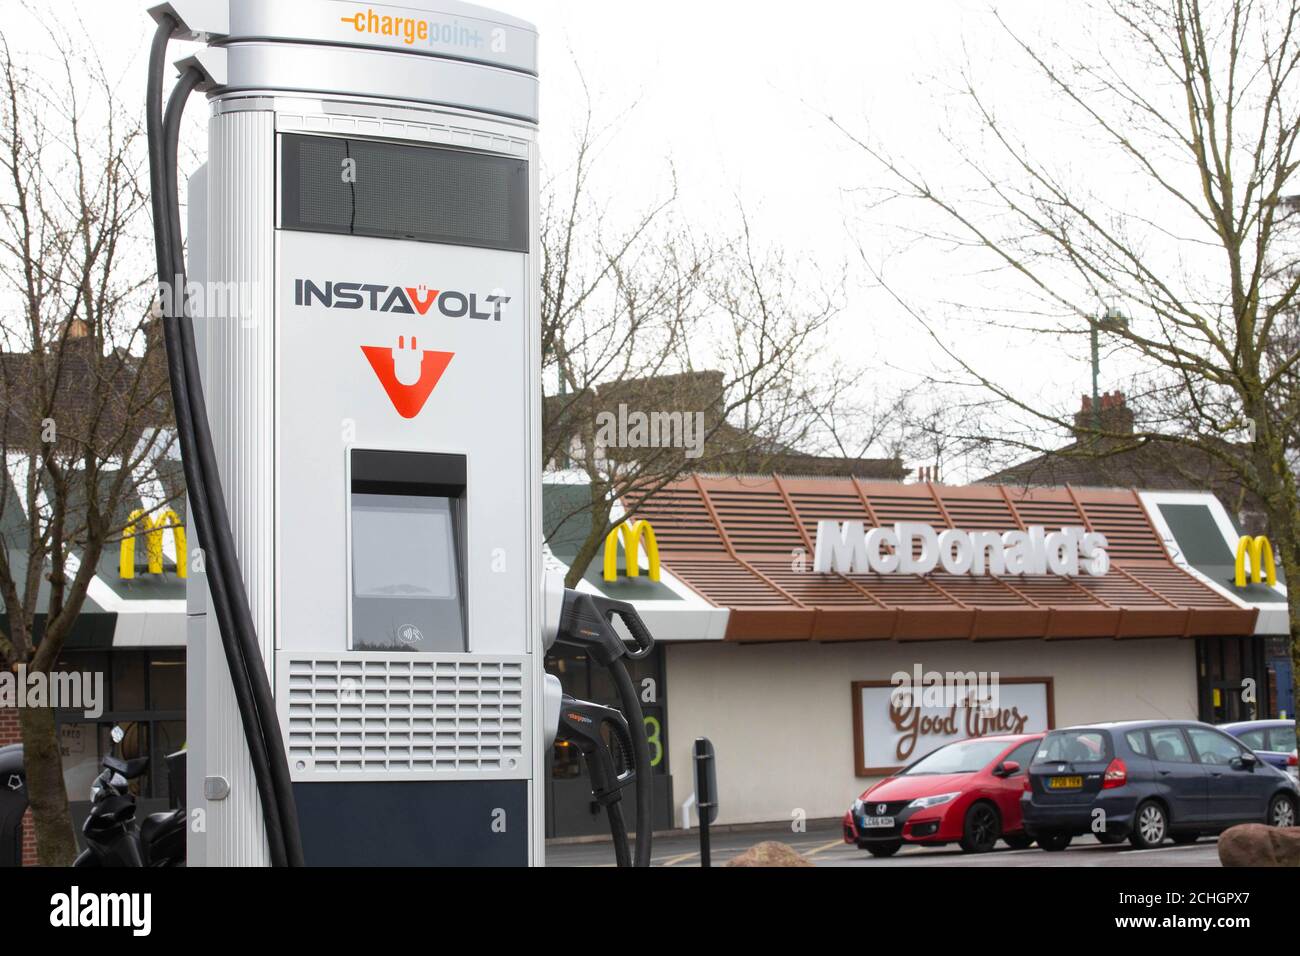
<point x="1273" y="740"/>
<point x="1147" y="781"/>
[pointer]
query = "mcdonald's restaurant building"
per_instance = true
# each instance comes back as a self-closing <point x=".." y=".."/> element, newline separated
<point x="785" y="657"/>
<point x="787" y="668"/>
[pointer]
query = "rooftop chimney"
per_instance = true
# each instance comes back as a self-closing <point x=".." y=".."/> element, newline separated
<point x="1116" y="416"/>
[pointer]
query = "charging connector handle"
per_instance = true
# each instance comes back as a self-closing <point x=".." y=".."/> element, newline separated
<point x="602" y="736"/>
<point x="586" y="622"/>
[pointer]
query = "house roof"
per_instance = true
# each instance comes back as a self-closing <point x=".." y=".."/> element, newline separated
<point x="1116" y="460"/>
<point x="730" y="449"/>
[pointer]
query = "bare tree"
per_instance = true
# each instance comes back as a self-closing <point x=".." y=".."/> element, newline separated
<point x="650" y="319"/>
<point x="83" y="387"/>
<point x="941" y="430"/>
<point x="1194" y="107"/>
<point x="945" y="433"/>
<point x="851" y="422"/>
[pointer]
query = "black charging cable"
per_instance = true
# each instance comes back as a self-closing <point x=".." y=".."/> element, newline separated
<point x="202" y="477"/>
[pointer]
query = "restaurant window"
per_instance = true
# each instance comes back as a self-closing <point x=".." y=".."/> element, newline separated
<point x="167" y="682"/>
<point x="144" y="694"/>
<point x="128" y="687"/>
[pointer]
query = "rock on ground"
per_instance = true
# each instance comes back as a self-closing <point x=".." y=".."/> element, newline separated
<point x="769" y="853"/>
<point x="1254" y="844"/>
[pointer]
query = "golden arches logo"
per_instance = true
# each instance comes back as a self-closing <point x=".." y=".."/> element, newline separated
<point x="631" y="535"/>
<point x="153" y="530"/>
<point x="1259" y="553"/>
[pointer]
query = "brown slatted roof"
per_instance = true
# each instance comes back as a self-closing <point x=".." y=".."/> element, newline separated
<point x="737" y="543"/>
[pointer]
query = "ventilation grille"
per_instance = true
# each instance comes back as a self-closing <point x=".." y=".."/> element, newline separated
<point x="890" y="508"/>
<point x="833" y="505"/>
<point x="979" y="513"/>
<point x="756" y="522"/>
<point x="728" y="583"/>
<point x="362" y="716"/>
<point x="1128" y="532"/>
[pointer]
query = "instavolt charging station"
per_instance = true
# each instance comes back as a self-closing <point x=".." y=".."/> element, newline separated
<point x="359" y="423"/>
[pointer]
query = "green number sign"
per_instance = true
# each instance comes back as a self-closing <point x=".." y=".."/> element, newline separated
<point x="652" y="730"/>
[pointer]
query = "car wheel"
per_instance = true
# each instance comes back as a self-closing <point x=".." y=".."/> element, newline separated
<point x="1186" y="837"/>
<point x="1021" y="841"/>
<point x="1054" y="842"/>
<point x="884" y="849"/>
<point x="1150" y="826"/>
<point x="982" y="828"/>
<point x="1108" y="838"/>
<point x="1281" y="811"/>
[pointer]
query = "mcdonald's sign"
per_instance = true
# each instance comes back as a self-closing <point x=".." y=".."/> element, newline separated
<point x="1259" y="553"/>
<point x="631" y="535"/>
<point x="153" y="531"/>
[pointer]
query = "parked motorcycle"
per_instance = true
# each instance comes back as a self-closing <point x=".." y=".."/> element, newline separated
<point x="13" y="804"/>
<point x="113" y="837"/>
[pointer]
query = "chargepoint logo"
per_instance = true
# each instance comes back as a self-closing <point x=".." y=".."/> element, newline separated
<point x="400" y="300"/>
<point x="426" y="31"/>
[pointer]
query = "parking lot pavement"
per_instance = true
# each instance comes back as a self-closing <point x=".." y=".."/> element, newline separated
<point x="1083" y="852"/>
<point x="822" y="845"/>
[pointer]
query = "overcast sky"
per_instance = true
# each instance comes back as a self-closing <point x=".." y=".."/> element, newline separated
<point x="734" y="96"/>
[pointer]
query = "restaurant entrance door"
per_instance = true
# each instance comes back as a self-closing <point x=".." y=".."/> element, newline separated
<point x="1232" y="679"/>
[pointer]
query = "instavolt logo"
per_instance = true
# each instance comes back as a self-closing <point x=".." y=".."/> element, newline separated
<point x="407" y="373"/>
<point x="400" y="300"/>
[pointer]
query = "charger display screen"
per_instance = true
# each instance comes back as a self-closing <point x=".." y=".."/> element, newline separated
<point x="363" y="187"/>
<point x="407" y="515"/>
<point x="408" y="544"/>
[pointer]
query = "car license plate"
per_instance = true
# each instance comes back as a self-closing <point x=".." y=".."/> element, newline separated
<point x="1064" y="783"/>
<point x="877" y="822"/>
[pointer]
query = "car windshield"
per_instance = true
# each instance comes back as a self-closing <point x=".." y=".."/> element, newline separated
<point x="1074" y="746"/>
<point x="969" y="756"/>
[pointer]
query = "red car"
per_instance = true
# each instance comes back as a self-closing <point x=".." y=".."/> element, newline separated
<point x="966" y="792"/>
